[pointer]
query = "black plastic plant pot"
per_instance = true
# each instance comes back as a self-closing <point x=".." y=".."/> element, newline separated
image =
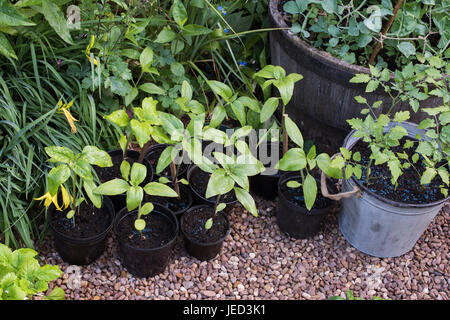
<point x="265" y="184"/>
<point x="106" y="174"/>
<point x="152" y="157"/>
<point x="80" y="250"/>
<point x="177" y="206"/>
<point x="195" y="245"/>
<point x="198" y="182"/>
<point x="295" y="220"/>
<point x="150" y="256"/>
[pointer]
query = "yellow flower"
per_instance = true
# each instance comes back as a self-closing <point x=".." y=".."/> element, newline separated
<point x="49" y="199"/>
<point x="65" y="197"/>
<point x="88" y="50"/>
<point x="64" y="109"/>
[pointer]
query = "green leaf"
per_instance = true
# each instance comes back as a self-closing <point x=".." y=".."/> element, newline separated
<point x="10" y="16"/>
<point x="401" y="116"/>
<point x="134" y="197"/>
<point x="138" y="174"/>
<point x="407" y="48"/>
<point x="268" y="109"/>
<point x="112" y="187"/>
<point x="219" y="113"/>
<point x="293" y="132"/>
<point x="70" y="214"/>
<point x="56" y="294"/>
<point x="56" y="177"/>
<point x="5" y="47"/>
<point x="360" y="99"/>
<point x="119" y="117"/>
<point x="55" y="19"/>
<point x="246" y="200"/>
<point x="89" y="186"/>
<point x="146" y="208"/>
<point x="165" y="159"/>
<point x="221" y="89"/>
<point x="141" y="131"/>
<point x="82" y="168"/>
<point x="195" y="30"/>
<point x="293" y="160"/>
<point x="125" y="169"/>
<point x="152" y="88"/>
<point x="177" y="69"/>
<point x="220" y="207"/>
<point x="208" y="223"/>
<point x="139" y="224"/>
<point x="59" y="154"/>
<point x="372" y="85"/>
<point x="360" y="78"/>
<point x="160" y="190"/>
<point x="146" y="59"/>
<point x="97" y="157"/>
<point x="219" y="183"/>
<point x="293" y="184"/>
<point x="428" y="175"/>
<point x="309" y="191"/>
<point x="179" y="13"/>
<point x="166" y="35"/>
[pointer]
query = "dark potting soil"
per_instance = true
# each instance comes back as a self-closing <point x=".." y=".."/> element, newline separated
<point x="89" y="221"/>
<point x="199" y="182"/>
<point x="409" y="190"/>
<point x="173" y="204"/>
<point x="159" y="231"/>
<point x="295" y="196"/>
<point x="194" y="225"/>
<point x="153" y="158"/>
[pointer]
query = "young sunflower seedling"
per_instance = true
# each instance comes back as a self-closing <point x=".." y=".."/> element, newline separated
<point x="130" y="184"/>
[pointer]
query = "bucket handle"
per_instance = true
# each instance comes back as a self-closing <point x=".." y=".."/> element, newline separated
<point x="338" y="196"/>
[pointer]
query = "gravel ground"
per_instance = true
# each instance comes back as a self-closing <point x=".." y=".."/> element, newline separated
<point x="260" y="262"/>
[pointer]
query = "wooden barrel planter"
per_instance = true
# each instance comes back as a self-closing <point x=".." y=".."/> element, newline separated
<point x="324" y="99"/>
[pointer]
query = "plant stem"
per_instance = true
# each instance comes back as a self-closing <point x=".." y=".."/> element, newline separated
<point x="283" y="128"/>
<point x="173" y="171"/>
<point x="144" y="151"/>
<point x="385" y="30"/>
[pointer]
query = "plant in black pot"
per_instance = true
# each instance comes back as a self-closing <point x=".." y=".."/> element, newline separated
<point x="266" y="183"/>
<point x="144" y="128"/>
<point x="395" y="172"/>
<point x="81" y="225"/>
<point x="205" y="227"/>
<point x="146" y="232"/>
<point x="301" y="209"/>
<point x="174" y="128"/>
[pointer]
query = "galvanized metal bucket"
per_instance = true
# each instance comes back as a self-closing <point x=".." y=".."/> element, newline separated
<point x="378" y="226"/>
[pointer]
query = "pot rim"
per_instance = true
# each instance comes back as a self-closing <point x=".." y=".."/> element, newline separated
<point x="51" y="210"/>
<point x="393" y="203"/>
<point x="191" y="168"/>
<point x="292" y="175"/>
<point x="124" y="212"/>
<point x="203" y="243"/>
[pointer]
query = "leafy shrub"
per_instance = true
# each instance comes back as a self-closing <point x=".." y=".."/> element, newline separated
<point x="21" y="276"/>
